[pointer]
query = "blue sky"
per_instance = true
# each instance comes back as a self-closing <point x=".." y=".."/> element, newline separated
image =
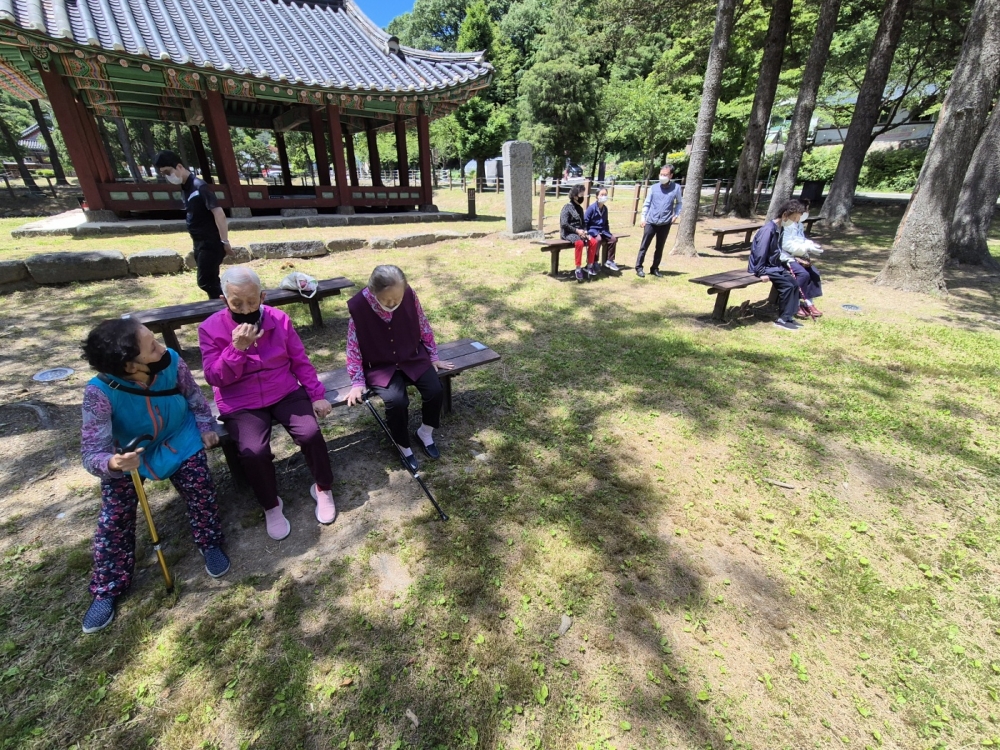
<point x="383" y="11"/>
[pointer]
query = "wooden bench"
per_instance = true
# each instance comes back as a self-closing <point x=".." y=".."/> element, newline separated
<point x="745" y="229"/>
<point x="556" y="246"/>
<point x="166" y="320"/>
<point x="465" y="354"/>
<point x="722" y="284"/>
<point x="808" y="224"/>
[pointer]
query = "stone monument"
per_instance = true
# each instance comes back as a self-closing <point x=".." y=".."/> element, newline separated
<point x="517" y="171"/>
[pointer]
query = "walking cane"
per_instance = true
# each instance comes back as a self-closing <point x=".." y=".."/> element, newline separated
<point x="137" y="481"/>
<point x="802" y="294"/>
<point x="414" y="474"/>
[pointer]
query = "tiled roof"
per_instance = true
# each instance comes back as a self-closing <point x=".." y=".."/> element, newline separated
<point x="31" y="139"/>
<point x="322" y="43"/>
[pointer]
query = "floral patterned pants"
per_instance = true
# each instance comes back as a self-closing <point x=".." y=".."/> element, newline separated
<point x="114" y="541"/>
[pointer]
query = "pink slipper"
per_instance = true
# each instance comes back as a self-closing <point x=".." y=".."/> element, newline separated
<point x="326" y="509"/>
<point x="277" y="525"/>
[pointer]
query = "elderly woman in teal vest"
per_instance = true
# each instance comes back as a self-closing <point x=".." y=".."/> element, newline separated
<point x="390" y="345"/>
<point x="143" y="388"/>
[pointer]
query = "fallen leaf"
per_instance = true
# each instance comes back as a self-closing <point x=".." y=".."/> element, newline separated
<point x="346" y="681"/>
<point x="413" y="718"/>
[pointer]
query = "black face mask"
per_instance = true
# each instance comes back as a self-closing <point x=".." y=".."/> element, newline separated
<point x="251" y="318"/>
<point x="159" y="365"/>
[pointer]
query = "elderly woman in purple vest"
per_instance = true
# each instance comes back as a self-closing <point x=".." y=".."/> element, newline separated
<point x="260" y="373"/>
<point x="390" y="345"/>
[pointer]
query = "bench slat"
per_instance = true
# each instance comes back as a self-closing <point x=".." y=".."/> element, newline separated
<point x="739" y="228"/>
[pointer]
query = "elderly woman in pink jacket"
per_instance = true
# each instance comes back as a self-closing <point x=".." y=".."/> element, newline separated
<point x="256" y="364"/>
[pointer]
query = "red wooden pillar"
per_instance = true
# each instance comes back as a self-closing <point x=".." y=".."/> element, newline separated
<point x="352" y="162"/>
<point x="199" y="150"/>
<point x="401" y="158"/>
<point x="374" y="162"/>
<point x="222" y="147"/>
<point x="339" y="165"/>
<point x="74" y="134"/>
<point x="319" y="146"/>
<point x="424" y="143"/>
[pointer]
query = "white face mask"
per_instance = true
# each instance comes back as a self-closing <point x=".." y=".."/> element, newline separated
<point x="804" y="216"/>
<point x="603" y="199"/>
<point x="787" y="224"/>
<point x="387" y="309"/>
<point x="664" y="180"/>
<point x="173" y="179"/>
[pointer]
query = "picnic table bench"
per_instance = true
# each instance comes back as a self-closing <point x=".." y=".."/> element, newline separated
<point x="166" y="320"/>
<point x="558" y="245"/>
<point x="465" y="354"/>
<point x="722" y="284"/>
<point x="748" y="229"/>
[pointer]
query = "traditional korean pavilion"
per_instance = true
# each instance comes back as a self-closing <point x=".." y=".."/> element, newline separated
<point x="319" y="66"/>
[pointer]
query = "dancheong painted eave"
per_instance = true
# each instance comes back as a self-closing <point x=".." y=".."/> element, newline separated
<point x="328" y="44"/>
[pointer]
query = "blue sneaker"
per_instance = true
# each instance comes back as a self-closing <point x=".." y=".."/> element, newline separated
<point x="216" y="562"/>
<point x="100" y="615"/>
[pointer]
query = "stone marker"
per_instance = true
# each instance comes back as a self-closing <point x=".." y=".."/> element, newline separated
<point x="346" y="243"/>
<point x="13" y="271"/>
<point x="155" y="262"/>
<point x="517" y="190"/>
<point x="62" y="268"/>
<point x="288" y="249"/>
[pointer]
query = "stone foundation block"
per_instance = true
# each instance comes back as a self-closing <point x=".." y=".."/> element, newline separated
<point x="62" y="268"/>
<point x="415" y="240"/>
<point x="155" y="262"/>
<point x="288" y="249"/>
<point x="13" y="271"/>
<point x="346" y="243"/>
<point x="381" y="243"/>
<point x="299" y="212"/>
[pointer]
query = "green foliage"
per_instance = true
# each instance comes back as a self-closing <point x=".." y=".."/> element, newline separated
<point x="252" y="147"/>
<point x="631" y="170"/>
<point x="483" y="128"/>
<point x="895" y="170"/>
<point x="432" y="24"/>
<point x="820" y="163"/>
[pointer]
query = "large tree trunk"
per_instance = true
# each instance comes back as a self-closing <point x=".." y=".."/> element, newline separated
<point x="837" y="208"/>
<point x="49" y="144"/>
<point x="916" y="262"/>
<point x="977" y="201"/>
<point x="741" y="196"/>
<point x="126" y="144"/>
<point x="795" y="143"/>
<point x="11" y="143"/>
<point x="724" y="12"/>
<point x="480" y="174"/>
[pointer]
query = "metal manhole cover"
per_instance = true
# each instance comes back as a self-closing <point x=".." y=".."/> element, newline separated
<point x="851" y="308"/>
<point x="56" y="373"/>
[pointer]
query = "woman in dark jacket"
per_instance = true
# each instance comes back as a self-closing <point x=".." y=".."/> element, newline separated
<point x="573" y="229"/>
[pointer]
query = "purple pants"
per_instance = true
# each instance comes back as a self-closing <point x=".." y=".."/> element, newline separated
<point x="807" y="279"/>
<point x="114" y="542"/>
<point x="251" y="429"/>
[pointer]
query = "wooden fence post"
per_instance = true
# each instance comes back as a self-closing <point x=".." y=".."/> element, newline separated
<point x="471" y="192"/>
<point x="756" y="199"/>
<point x="586" y="191"/>
<point x="541" y="205"/>
<point x="557" y="189"/>
<point x="715" y="202"/>
<point x="635" y="203"/>
<point x="611" y="192"/>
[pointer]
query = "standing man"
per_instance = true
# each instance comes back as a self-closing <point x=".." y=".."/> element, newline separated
<point x="206" y="221"/>
<point x="596" y="220"/>
<point x="661" y="209"/>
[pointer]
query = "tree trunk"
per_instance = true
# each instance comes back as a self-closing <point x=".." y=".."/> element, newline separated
<point x="760" y="116"/>
<point x="126" y="144"/>
<point x="795" y="143"/>
<point x="920" y="251"/>
<point x="977" y="201"/>
<point x="148" y="146"/>
<point x="182" y="147"/>
<point x="480" y="174"/>
<point x="49" y="144"/>
<point x="838" y="204"/>
<point x="11" y="143"/>
<point x="724" y="11"/>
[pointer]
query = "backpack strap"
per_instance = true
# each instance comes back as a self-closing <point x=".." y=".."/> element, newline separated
<point x="116" y="386"/>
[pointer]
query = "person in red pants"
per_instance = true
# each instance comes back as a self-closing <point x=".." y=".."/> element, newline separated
<point x="573" y="229"/>
<point x="256" y="364"/>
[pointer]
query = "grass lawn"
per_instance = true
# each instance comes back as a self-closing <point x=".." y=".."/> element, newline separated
<point x="618" y="467"/>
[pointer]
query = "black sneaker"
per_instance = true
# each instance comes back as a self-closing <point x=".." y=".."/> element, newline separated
<point x="640" y="273"/>
<point x="656" y="273"/>
<point x="100" y="615"/>
<point x="216" y="562"/>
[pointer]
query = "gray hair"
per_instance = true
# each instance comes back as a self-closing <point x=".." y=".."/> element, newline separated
<point x="668" y="166"/>
<point x="239" y="276"/>
<point x="384" y="277"/>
